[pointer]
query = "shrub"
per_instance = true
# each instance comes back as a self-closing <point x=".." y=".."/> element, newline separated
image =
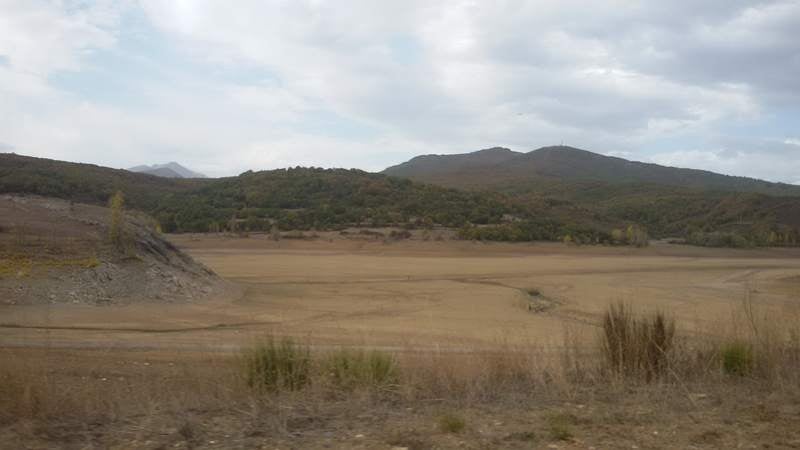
<point x="276" y="365"/>
<point x="737" y="358"/>
<point x="349" y="368"/>
<point x="400" y="235"/>
<point x="637" y="236"/>
<point x="275" y="233"/>
<point x="719" y="239"/>
<point x="657" y="332"/>
<point x="618" y="344"/>
<point x="636" y="346"/>
<point x="560" y="426"/>
<point x="452" y="423"/>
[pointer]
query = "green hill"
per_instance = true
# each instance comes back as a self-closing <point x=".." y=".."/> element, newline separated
<point x="496" y="207"/>
<point x="85" y="183"/>
<point x="304" y="198"/>
<point x="299" y="198"/>
<point x="669" y="202"/>
<point x="539" y="169"/>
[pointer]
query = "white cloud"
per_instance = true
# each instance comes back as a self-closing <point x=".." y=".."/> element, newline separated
<point x="621" y="154"/>
<point x="368" y="83"/>
<point x="762" y="165"/>
<point x="340" y="61"/>
<point x="40" y="37"/>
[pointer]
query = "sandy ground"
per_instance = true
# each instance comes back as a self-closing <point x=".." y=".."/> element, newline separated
<point x="172" y="385"/>
<point x="413" y="294"/>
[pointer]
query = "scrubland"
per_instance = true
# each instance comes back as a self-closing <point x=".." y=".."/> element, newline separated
<point x="365" y="344"/>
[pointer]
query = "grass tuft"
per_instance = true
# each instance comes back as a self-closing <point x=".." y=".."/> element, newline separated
<point x="452" y="423"/>
<point x="636" y="346"/>
<point x="559" y="426"/>
<point x="737" y="358"/>
<point x="358" y="368"/>
<point x="277" y="365"/>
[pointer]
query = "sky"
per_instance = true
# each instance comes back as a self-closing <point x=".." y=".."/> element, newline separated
<point x="224" y="87"/>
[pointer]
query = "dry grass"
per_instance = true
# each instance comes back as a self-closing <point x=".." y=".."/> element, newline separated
<point x="46" y="396"/>
<point x="350" y="369"/>
<point x="636" y="346"/>
<point x="761" y="343"/>
<point x="299" y="389"/>
<point x="737" y="358"/>
<point x="451" y="422"/>
<point x="276" y="365"/>
<point x="15" y="266"/>
<point x="18" y="265"/>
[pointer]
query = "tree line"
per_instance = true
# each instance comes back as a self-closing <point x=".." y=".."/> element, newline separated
<point x="331" y="199"/>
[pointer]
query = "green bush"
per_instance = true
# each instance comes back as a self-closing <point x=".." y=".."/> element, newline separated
<point x="277" y="365"/>
<point x="737" y="358"/>
<point x="720" y="239"/>
<point x="560" y="426"/>
<point x="452" y="423"/>
<point x="353" y="368"/>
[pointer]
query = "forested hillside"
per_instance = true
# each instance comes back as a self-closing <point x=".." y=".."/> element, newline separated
<point x="541" y="208"/>
<point x="550" y="167"/>
<point x="85" y="183"/>
<point x="304" y="198"/>
<point x="704" y="207"/>
<point x="299" y="198"/>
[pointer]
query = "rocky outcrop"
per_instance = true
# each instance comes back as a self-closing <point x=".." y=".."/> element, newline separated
<point x="54" y="251"/>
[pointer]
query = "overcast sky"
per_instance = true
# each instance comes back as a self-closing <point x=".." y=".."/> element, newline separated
<point x="227" y="86"/>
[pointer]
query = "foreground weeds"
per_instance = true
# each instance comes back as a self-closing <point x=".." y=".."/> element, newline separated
<point x="737" y="358"/>
<point x="637" y="346"/>
<point x="560" y="426"/>
<point x="351" y="369"/>
<point x="451" y="422"/>
<point x="642" y="375"/>
<point x="275" y="365"/>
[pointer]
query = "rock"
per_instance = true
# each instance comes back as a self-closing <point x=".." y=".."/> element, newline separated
<point x="118" y="278"/>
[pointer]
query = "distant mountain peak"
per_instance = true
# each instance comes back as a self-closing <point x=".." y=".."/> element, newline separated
<point x="562" y="150"/>
<point x="504" y="168"/>
<point x="168" y="170"/>
<point x="496" y="150"/>
<point x="437" y="163"/>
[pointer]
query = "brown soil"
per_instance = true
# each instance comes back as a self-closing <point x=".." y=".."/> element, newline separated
<point x="162" y="373"/>
<point x="419" y="294"/>
<point x="56" y="252"/>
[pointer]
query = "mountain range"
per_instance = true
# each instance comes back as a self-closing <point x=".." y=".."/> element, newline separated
<point x="168" y="170"/>
<point x="668" y="201"/>
<point x="499" y="168"/>
<point x="498" y="194"/>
